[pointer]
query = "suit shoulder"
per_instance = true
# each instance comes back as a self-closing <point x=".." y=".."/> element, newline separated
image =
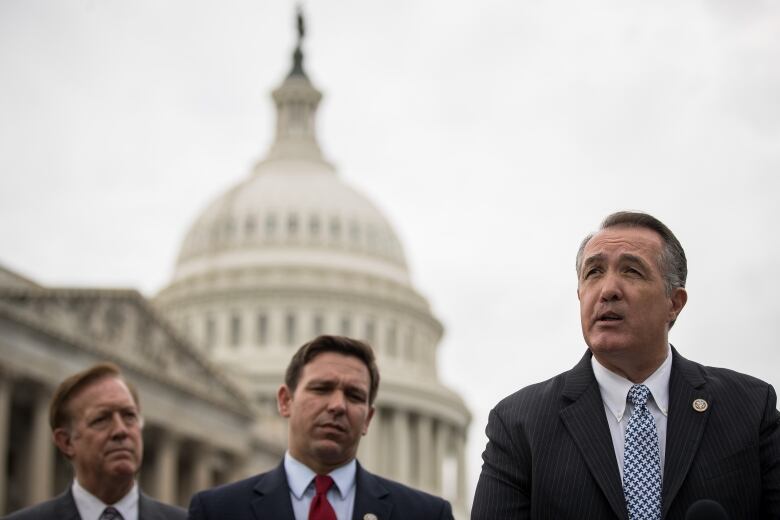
<point x="412" y="499"/>
<point x="47" y="510"/>
<point x="168" y="511"/>
<point x="731" y="378"/>
<point x="537" y="396"/>
<point x="230" y="490"/>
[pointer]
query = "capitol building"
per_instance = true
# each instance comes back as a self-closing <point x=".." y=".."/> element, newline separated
<point x="289" y="253"/>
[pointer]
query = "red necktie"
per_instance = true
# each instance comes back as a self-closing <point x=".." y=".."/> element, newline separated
<point x="320" y="508"/>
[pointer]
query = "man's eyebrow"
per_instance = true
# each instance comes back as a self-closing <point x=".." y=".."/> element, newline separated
<point x="633" y="258"/>
<point x="598" y="257"/>
<point x="322" y="381"/>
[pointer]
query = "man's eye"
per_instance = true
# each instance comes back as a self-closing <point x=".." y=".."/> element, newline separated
<point x="357" y="397"/>
<point x="592" y="271"/>
<point x="130" y="418"/>
<point x="101" y="421"/>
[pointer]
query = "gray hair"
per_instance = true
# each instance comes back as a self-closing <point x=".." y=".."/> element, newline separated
<point x="672" y="261"/>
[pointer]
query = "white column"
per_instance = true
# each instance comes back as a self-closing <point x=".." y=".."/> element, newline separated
<point x="201" y="469"/>
<point x="367" y="451"/>
<point x="401" y="444"/>
<point x="5" y="430"/>
<point x="382" y="442"/>
<point x="441" y="444"/>
<point x="425" y="452"/>
<point x="165" y="474"/>
<point x="40" y="477"/>
<point x="460" y="452"/>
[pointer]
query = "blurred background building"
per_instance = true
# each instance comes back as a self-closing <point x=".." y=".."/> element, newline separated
<point x="289" y="253"/>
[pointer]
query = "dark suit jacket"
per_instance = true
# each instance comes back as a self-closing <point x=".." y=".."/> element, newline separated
<point x="550" y="454"/>
<point x="63" y="507"/>
<point x="267" y="497"/>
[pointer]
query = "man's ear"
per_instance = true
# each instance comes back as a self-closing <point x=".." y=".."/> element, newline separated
<point x="64" y="442"/>
<point x="371" y="411"/>
<point x="679" y="298"/>
<point x="283" y="399"/>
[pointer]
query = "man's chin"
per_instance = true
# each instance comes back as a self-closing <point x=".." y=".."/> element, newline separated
<point x="607" y="343"/>
<point x="332" y="453"/>
<point x="123" y="468"/>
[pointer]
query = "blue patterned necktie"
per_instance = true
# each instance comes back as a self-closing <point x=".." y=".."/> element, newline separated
<point x="110" y="513"/>
<point x="641" y="460"/>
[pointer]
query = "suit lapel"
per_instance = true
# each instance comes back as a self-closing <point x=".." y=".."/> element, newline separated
<point x="370" y="496"/>
<point x="586" y="421"/>
<point x="147" y="510"/>
<point x="66" y="506"/>
<point x="685" y="426"/>
<point x="273" y="500"/>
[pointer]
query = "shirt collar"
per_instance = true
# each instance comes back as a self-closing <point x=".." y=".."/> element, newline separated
<point x="300" y="476"/>
<point x="90" y="506"/>
<point x="614" y="388"/>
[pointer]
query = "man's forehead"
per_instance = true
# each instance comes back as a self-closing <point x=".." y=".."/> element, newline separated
<point x="334" y="365"/>
<point x="106" y="391"/>
<point x="622" y="239"/>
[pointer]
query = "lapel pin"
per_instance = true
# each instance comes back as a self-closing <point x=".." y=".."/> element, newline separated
<point x="700" y="405"/>
<point x="370" y="516"/>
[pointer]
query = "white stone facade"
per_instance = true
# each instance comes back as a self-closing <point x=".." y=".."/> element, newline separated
<point x="197" y="425"/>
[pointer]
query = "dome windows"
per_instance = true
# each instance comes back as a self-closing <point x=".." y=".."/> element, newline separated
<point x="270" y="225"/>
<point x="335" y="229"/>
<point x="289" y="329"/>
<point x="397" y="338"/>
<point x="392" y="343"/>
<point x="246" y="229"/>
<point x="345" y="327"/>
<point x="235" y="330"/>
<point x="354" y="232"/>
<point x="210" y="333"/>
<point x="292" y="224"/>
<point x="370" y="330"/>
<point x="262" y="329"/>
<point x="249" y="225"/>
<point x="314" y="226"/>
<point x="318" y="325"/>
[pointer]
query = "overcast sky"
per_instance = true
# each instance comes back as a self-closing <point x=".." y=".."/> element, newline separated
<point x="494" y="136"/>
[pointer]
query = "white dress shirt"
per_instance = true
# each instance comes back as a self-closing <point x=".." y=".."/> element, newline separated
<point x="614" y="393"/>
<point x="300" y="480"/>
<point x="91" y="507"/>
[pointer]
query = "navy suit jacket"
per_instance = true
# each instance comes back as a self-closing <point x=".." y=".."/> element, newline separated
<point x="550" y="454"/>
<point x="63" y="507"/>
<point x="267" y="497"/>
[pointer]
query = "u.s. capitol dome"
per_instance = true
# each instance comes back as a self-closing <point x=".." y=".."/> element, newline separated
<point x="292" y="252"/>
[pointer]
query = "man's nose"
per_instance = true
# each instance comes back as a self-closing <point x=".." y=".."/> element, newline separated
<point x="611" y="288"/>
<point x="118" y="427"/>
<point x="337" y="401"/>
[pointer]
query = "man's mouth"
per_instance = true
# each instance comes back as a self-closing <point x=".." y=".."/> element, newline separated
<point x="332" y="426"/>
<point x="120" y="451"/>
<point x="609" y="316"/>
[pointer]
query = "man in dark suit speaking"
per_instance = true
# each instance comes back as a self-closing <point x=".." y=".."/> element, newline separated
<point x="633" y="431"/>
<point x="328" y="396"/>
<point x="96" y="423"/>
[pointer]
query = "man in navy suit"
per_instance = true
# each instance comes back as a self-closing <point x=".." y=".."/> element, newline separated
<point x="96" y="423"/>
<point x="633" y="431"/>
<point x="328" y="396"/>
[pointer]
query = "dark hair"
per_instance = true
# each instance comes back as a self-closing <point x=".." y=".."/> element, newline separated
<point x="59" y="411"/>
<point x="338" y="344"/>
<point x="672" y="261"/>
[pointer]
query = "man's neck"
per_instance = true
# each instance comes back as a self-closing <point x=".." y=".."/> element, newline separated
<point x="633" y="369"/>
<point x="108" y="491"/>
